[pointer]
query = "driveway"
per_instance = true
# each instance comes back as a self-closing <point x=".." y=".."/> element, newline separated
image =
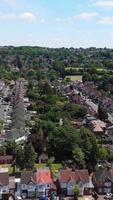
<point x="89" y="197"/>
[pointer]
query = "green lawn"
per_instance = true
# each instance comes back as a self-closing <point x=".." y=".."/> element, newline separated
<point x="55" y="168"/>
<point x="75" y="78"/>
<point x="77" y="68"/>
<point x="40" y="166"/>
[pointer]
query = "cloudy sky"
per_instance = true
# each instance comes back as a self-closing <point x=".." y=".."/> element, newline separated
<point x="57" y="23"/>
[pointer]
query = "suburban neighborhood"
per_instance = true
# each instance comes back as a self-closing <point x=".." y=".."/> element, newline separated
<point x="56" y="134"/>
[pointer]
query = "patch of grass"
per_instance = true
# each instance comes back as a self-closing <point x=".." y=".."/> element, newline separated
<point x="55" y="170"/>
<point x="76" y="68"/>
<point x="75" y="78"/>
<point x="41" y="165"/>
<point x="56" y="167"/>
<point x="7" y="166"/>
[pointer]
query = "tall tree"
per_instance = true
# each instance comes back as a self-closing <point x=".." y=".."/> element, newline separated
<point x="79" y="157"/>
<point x="102" y="113"/>
<point x="29" y="156"/>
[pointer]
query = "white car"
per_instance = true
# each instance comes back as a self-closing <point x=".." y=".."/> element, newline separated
<point x="108" y="196"/>
<point x="19" y="198"/>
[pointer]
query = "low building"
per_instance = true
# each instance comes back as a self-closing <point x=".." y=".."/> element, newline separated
<point x="103" y="180"/>
<point x="70" y="180"/>
<point x="43" y="158"/>
<point x="36" y="184"/>
<point x="4" y="183"/>
<point x="28" y="184"/>
<point x="43" y="182"/>
<point x="6" y="159"/>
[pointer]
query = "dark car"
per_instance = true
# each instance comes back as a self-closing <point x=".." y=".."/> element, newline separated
<point x="43" y="198"/>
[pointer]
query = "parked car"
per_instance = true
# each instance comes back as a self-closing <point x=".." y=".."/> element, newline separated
<point x="108" y="196"/>
<point x="43" y="198"/>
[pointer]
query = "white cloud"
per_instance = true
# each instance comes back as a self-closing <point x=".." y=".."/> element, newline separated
<point x="27" y="16"/>
<point x="23" y="16"/>
<point x="106" y="20"/>
<point x="103" y="3"/>
<point x="11" y="2"/>
<point x="86" y="16"/>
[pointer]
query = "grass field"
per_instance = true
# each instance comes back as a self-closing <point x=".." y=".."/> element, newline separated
<point x="75" y="78"/>
<point x="77" y="68"/>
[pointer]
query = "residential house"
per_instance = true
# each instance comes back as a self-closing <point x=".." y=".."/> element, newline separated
<point x="28" y="184"/>
<point x="6" y="159"/>
<point x="98" y="127"/>
<point x="43" y="182"/>
<point x="36" y="184"/>
<point x="103" y="180"/>
<point x="4" y="183"/>
<point x="70" y="179"/>
<point x="43" y="158"/>
<point x="12" y="185"/>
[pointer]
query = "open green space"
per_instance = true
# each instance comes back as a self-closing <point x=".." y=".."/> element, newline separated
<point x="75" y="78"/>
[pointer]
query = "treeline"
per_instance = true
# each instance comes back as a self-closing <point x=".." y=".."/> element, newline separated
<point x="65" y="61"/>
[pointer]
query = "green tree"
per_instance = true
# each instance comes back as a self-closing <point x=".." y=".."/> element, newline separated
<point x="11" y="148"/>
<point x="29" y="156"/>
<point x="61" y="142"/>
<point x="102" y="113"/>
<point x="79" y="157"/>
<point x="20" y="158"/>
<point x="103" y="153"/>
<point x="89" y="146"/>
<point x="86" y="77"/>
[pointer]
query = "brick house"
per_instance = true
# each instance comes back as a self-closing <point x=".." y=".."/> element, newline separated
<point x="4" y="183"/>
<point x="36" y="184"/>
<point x="103" y="180"/>
<point x="6" y="159"/>
<point x="69" y="180"/>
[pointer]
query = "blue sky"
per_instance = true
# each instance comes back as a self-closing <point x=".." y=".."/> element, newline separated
<point x="57" y="23"/>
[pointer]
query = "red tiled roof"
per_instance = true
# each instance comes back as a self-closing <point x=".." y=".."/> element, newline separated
<point x="75" y="176"/>
<point x="43" y="176"/>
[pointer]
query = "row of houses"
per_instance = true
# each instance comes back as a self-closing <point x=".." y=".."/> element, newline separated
<point x="41" y="183"/>
<point x="90" y="89"/>
<point x="98" y="127"/>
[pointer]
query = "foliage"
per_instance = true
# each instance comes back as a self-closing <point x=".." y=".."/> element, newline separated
<point x="102" y="113"/>
<point x="79" y="157"/>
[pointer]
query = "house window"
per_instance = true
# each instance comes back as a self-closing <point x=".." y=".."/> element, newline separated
<point x="31" y="186"/>
<point x="24" y="186"/>
<point x="107" y="184"/>
<point x="41" y="194"/>
<point x="48" y="185"/>
<point x="107" y="190"/>
<point x="41" y="187"/>
<point x="70" y="191"/>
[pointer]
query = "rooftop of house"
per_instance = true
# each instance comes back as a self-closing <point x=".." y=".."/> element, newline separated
<point x="43" y="156"/>
<point x="4" y="178"/>
<point x="75" y="176"/>
<point x="102" y="174"/>
<point x="98" y="122"/>
<point x="97" y="129"/>
<point x="9" y="157"/>
<point x="43" y="176"/>
<point x="27" y="176"/>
